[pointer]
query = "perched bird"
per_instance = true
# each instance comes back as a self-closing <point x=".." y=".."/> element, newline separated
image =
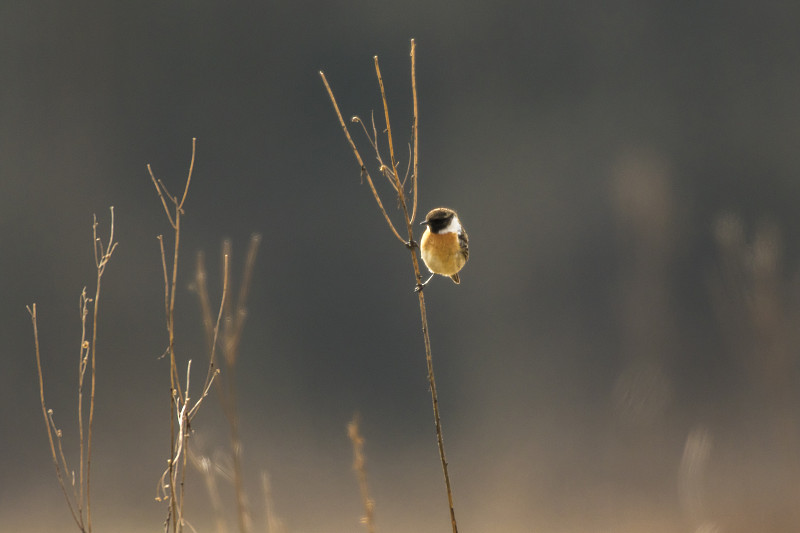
<point x="444" y="246"/>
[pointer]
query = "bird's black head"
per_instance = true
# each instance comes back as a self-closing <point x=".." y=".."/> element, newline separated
<point x="438" y="219"/>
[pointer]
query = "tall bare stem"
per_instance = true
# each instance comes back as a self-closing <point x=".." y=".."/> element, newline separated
<point x="81" y="497"/>
<point x="391" y="173"/>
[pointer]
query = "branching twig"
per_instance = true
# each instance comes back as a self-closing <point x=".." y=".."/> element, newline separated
<point x="222" y="334"/>
<point x="408" y="218"/>
<point x="364" y="171"/>
<point x="101" y="257"/>
<point x="181" y="403"/>
<point x="81" y="497"/>
<point x="232" y="316"/>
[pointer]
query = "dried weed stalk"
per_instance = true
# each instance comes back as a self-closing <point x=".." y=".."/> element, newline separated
<point x="233" y="316"/>
<point x="400" y="186"/>
<point x="172" y="482"/>
<point x="360" y="468"/>
<point x="79" y="498"/>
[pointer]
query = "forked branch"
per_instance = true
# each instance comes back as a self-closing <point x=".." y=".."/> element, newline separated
<point x="80" y="498"/>
<point x="232" y="315"/>
<point x="390" y="171"/>
<point x="171" y="485"/>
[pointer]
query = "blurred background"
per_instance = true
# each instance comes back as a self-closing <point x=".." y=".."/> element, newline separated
<point x="622" y="352"/>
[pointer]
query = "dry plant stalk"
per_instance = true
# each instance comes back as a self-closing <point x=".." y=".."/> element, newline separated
<point x="399" y="185"/>
<point x="181" y="403"/>
<point x="233" y="316"/>
<point x="360" y="467"/>
<point x="208" y="469"/>
<point x="273" y="523"/>
<point x="80" y="497"/>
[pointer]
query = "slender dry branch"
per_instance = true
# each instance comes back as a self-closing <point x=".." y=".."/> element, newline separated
<point x="388" y="128"/>
<point x="180" y="402"/>
<point x="274" y="523"/>
<point x="170" y="283"/>
<point x="364" y="171"/>
<point x="200" y="287"/>
<point x="83" y="360"/>
<point x="359" y="466"/>
<point x="102" y="256"/>
<point x="244" y="290"/>
<point x="232" y="317"/>
<point x="398" y="186"/>
<point x="46" y="414"/>
<point x="81" y="498"/>
<point x="415" y="127"/>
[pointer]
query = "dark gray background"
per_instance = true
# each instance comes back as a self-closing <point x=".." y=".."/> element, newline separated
<point x="621" y="354"/>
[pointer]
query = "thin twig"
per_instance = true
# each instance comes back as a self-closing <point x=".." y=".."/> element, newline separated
<point x="200" y="286"/>
<point x="244" y="290"/>
<point x="179" y="400"/>
<point x="359" y="465"/>
<point x="274" y="524"/>
<point x="364" y="170"/>
<point x="206" y="468"/>
<point x="161" y="190"/>
<point x="47" y="421"/>
<point x="102" y="256"/>
<point x="227" y="333"/>
<point x="388" y="127"/>
<point x="413" y="54"/>
<point x="408" y="218"/>
<point x="81" y="492"/>
<point x="83" y="356"/>
<point x="212" y="370"/>
<point x="64" y="465"/>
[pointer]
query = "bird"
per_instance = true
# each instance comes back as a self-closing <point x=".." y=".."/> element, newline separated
<point x="444" y="246"/>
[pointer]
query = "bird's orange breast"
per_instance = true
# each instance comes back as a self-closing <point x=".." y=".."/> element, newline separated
<point x="442" y="253"/>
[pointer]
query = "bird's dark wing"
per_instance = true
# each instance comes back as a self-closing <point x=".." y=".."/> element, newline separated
<point x="463" y="241"/>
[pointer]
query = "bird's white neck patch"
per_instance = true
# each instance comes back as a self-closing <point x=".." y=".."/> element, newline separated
<point x="453" y="227"/>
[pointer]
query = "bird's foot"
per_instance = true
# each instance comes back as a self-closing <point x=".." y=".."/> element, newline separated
<point x="421" y="285"/>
